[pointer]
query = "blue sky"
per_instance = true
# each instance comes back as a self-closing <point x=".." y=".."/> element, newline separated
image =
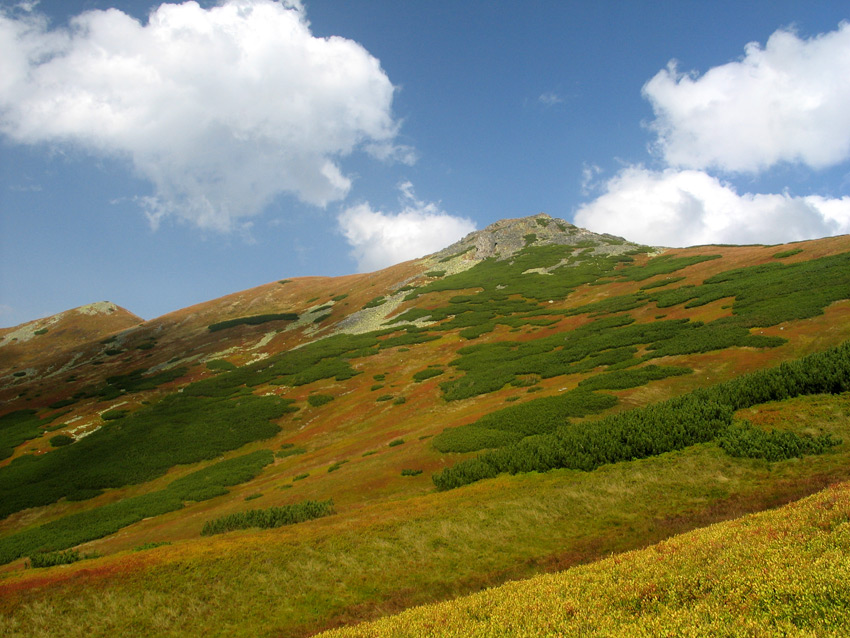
<point x="160" y="156"/>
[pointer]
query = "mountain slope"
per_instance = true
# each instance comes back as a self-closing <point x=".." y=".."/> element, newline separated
<point x="360" y="389"/>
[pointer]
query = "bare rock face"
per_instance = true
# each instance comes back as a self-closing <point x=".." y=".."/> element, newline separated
<point x="508" y="236"/>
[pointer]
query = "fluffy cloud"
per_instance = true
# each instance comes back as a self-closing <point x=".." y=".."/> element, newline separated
<point x="221" y="109"/>
<point x="687" y="207"/>
<point x="786" y="102"/>
<point x="382" y="239"/>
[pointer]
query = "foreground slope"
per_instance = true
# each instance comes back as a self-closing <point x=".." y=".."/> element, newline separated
<point x="359" y="390"/>
<point x="780" y="573"/>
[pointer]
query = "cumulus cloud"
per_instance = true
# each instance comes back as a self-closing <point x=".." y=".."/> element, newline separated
<point x="785" y="102"/>
<point x="221" y="109"/>
<point x="688" y="207"/>
<point x="382" y="239"/>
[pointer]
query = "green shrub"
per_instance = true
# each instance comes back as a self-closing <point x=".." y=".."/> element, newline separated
<point x="787" y="253"/>
<point x="384" y="397"/>
<point x="340" y="297"/>
<point x="60" y="440"/>
<point x="220" y="365"/>
<point x="301" y="477"/>
<point x="316" y="400"/>
<point x="395" y="442"/>
<point x="150" y="545"/>
<point x="435" y="273"/>
<point x="374" y="303"/>
<point x="701" y="416"/>
<point x="102" y="521"/>
<point x="252" y="321"/>
<point x="289" y="449"/>
<point x="399" y="401"/>
<point x="741" y="439"/>
<point x="253" y="496"/>
<point x="51" y="559"/>
<point x="112" y="415"/>
<point x="427" y="373"/>
<point x="269" y="518"/>
<point x="41" y="331"/>
<point x="407" y="472"/>
<point x="179" y="429"/>
<point x="335" y="466"/>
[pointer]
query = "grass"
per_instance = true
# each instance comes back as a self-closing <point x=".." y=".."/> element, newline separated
<point x="776" y="573"/>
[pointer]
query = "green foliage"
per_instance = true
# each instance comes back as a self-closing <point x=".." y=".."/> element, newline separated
<point x="376" y="386"/>
<point x="338" y="464"/>
<point x="409" y="472"/>
<point x="379" y="377"/>
<point x="62" y="403"/>
<point x="220" y="365"/>
<point x="17" y="427"/>
<point x="663" y="265"/>
<point x="252" y="321"/>
<point x="471" y="438"/>
<point x="301" y="477"/>
<point x="661" y="282"/>
<point x="511" y="424"/>
<point x="395" y="442"/>
<point x="542" y="221"/>
<point x="769" y="294"/>
<point x="435" y="273"/>
<point x="179" y="429"/>
<point x="316" y="400"/>
<point x="450" y="257"/>
<point x="147" y="345"/>
<point x="604" y="342"/>
<point x="399" y="401"/>
<point x="285" y="281"/>
<point x="701" y="416"/>
<point x="339" y="297"/>
<point x="289" y="449"/>
<point x="631" y="378"/>
<point x="151" y="545"/>
<point x="105" y="520"/>
<point x="384" y="397"/>
<point x="427" y="373"/>
<point x="112" y="415"/>
<point x="41" y="331"/>
<point x="321" y="318"/>
<point x="530" y="238"/>
<point x="787" y="253"/>
<point x="374" y="303"/>
<point x="269" y="518"/>
<point x="741" y="439"/>
<point x="60" y="440"/>
<point x="51" y="559"/>
<point x="253" y="496"/>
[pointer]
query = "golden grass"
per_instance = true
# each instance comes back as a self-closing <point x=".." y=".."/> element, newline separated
<point x="779" y="573"/>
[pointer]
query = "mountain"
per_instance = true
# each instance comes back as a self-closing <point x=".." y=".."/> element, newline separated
<point x="318" y="451"/>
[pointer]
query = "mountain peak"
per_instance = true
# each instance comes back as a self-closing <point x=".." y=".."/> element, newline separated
<point x="505" y="237"/>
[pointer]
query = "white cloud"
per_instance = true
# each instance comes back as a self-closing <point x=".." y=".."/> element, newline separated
<point x="382" y="239"/>
<point x="786" y="102"/>
<point x="688" y="207"/>
<point x="221" y="109"/>
<point x="550" y="99"/>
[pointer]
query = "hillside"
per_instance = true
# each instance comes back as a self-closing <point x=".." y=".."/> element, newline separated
<point x="532" y="397"/>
